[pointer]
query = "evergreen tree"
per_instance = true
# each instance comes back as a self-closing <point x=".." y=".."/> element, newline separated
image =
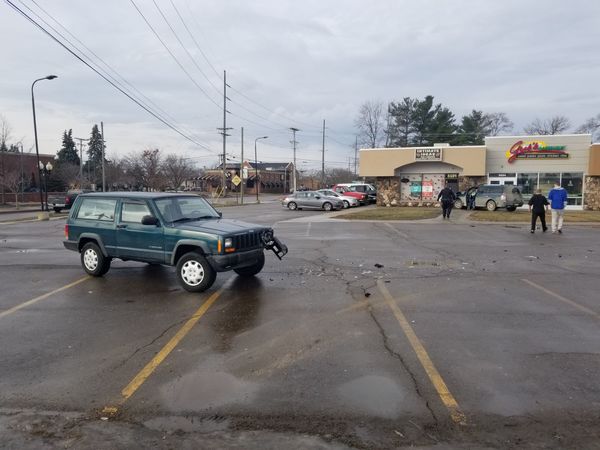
<point x="474" y="128"/>
<point x="95" y="147"/>
<point x="93" y="165"/>
<point x="400" y="128"/>
<point x="442" y="127"/>
<point x="68" y="152"/>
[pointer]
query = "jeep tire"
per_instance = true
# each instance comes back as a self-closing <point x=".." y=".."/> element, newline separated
<point x="194" y="272"/>
<point x="250" y="271"/>
<point x="93" y="261"/>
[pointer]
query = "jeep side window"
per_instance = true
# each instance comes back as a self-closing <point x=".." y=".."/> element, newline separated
<point x="97" y="209"/>
<point x="133" y="212"/>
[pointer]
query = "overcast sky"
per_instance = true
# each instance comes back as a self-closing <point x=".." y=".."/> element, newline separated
<point x="291" y="64"/>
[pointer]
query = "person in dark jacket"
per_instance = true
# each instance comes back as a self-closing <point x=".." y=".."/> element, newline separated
<point x="448" y="197"/>
<point x="538" y="205"/>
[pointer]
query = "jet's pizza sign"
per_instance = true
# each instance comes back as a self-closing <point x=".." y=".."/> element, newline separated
<point x="535" y="150"/>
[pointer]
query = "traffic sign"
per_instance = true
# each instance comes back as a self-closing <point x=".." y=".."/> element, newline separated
<point x="236" y="180"/>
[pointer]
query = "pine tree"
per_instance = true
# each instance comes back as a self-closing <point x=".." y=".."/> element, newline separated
<point x="95" y="147"/>
<point x="68" y="153"/>
<point x="474" y="128"/>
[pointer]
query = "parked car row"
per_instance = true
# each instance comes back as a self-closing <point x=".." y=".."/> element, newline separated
<point x="347" y="195"/>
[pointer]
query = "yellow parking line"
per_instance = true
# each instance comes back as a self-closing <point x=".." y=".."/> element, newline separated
<point x="141" y="377"/>
<point x="41" y="297"/>
<point x="434" y="376"/>
<point x="563" y="299"/>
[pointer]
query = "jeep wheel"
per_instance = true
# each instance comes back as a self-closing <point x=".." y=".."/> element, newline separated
<point x="327" y="206"/>
<point x="458" y="204"/>
<point x="346" y="204"/>
<point x="194" y="272"/>
<point x="491" y="205"/>
<point x="292" y="206"/>
<point x="93" y="261"/>
<point x="252" y="270"/>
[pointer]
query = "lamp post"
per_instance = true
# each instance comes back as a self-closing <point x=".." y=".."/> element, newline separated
<point x="256" y="166"/>
<point x="37" y="152"/>
<point x="45" y="170"/>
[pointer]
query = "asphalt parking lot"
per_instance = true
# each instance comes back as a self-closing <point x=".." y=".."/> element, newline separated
<point x="366" y="335"/>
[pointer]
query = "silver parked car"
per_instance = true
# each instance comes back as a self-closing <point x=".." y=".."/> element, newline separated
<point x="312" y="200"/>
<point x="347" y="200"/>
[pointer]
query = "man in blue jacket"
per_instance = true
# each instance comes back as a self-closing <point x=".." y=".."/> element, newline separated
<point x="558" y="200"/>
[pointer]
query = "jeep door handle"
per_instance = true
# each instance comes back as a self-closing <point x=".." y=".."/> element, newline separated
<point x="121" y="226"/>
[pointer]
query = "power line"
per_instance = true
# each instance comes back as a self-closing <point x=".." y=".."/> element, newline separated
<point x="104" y="63"/>
<point x="98" y="72"/>
<point x="173" y="55"/>
<point x="184" y="47"/>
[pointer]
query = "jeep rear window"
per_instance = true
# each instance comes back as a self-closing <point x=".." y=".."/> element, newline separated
<point x="97" y="209"/>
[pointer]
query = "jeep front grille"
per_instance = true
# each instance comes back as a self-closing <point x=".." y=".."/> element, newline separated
<point x="247" y="241"/>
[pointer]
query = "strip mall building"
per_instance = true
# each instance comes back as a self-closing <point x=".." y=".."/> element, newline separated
<point x="415" y="175"/>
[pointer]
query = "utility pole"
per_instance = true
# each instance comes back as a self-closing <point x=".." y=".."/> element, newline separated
<point x="242" y="169"/>
<point x="80" y="162"/>
<point x="355" y="155"/>
<point x="294" y="142"/>
<point x="224" y="129"/>
<point x="103" y="147"/>
<point x="323" y="159"/>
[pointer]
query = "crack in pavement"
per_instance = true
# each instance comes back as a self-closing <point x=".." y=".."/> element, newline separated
<point x="406" y="367"/>
<point x="137" y="350"/>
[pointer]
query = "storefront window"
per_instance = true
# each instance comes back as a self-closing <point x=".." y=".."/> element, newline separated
<point x="573" y="183"/>
<point x="528" y="183"/>
<point x="547" y="181"/>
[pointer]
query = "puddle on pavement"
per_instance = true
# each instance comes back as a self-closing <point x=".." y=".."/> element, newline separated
<point x="198" y="391"/>
<point x="373" y="394"/>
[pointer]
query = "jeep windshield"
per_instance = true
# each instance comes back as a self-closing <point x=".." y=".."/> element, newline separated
<point x="185" y="208"/>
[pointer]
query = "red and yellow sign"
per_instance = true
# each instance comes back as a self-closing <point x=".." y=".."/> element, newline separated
<point x="535" y="150"/>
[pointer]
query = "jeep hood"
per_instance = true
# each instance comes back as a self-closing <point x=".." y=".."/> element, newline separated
<point x="218" y="226"/>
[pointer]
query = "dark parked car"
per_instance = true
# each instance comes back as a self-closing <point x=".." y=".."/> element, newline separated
<point x="60" y="202"/>
<point x="492" y="197"/>
<point x="181" y="230"/>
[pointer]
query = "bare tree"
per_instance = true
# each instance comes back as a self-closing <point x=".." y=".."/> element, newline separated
<point x="5" y="131"/>
<point x="554" y="125"/>
<point x="11" y="181"/>
<point x="370" y="123"/>
<point x="67" y="175"/>
<point x="177" y="170"/>
<point x="592" y="126"/>
<point x="498" y="123"/>
<point x="145" y="170"/>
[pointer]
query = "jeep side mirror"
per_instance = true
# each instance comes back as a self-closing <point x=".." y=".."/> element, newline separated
<point x="149" y="220"/>
<point x="220" y="213"/>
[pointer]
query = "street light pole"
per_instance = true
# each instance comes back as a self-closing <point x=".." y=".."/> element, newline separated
<point x="256" y="185"/>
<point x="37" y="152"/>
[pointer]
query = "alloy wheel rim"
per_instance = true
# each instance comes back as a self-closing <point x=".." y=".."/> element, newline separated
<point x="192" y="273"/>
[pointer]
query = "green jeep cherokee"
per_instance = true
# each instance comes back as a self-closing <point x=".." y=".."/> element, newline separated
<point x="181" y="230"/>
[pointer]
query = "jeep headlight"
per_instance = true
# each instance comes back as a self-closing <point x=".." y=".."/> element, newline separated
<point x="228" y="243"/>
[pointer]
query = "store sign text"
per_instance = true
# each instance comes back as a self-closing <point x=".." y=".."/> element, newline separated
<point x="535" y="150"/>
<point x="428" y="154"/>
